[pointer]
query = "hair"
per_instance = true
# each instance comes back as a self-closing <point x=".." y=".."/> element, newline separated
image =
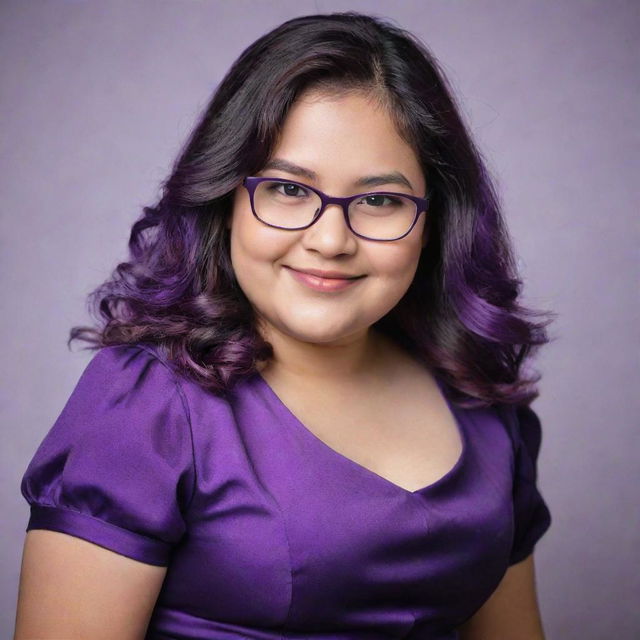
<point x="461" y="315"/>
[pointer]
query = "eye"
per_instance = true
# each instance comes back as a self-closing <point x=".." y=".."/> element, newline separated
<point x="378" y="200"/>
<point x="375" y="201"/>
<point x="288" y="189"/>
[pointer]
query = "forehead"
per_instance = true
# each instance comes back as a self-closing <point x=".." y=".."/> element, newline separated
<point x="340" y="138"/>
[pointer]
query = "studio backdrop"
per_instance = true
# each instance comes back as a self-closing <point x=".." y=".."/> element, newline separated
<point x="98" y="95"/>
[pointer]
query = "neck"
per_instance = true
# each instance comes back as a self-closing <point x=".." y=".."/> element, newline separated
<point x="344" y="361"/>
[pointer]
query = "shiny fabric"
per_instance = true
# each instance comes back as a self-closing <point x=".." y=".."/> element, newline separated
<point x="268" y="532"/>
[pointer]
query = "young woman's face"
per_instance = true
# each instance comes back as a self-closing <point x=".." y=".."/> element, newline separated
<point x="340" y="140"/>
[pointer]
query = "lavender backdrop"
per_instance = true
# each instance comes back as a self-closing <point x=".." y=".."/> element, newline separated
<point x="96" y="98"/>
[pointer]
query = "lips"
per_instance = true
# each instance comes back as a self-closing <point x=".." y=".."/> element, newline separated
<point x="326" y="283"/>
<point x="332" y="275"/>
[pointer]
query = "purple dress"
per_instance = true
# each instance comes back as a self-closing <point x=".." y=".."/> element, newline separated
<point x="269" y="533"/>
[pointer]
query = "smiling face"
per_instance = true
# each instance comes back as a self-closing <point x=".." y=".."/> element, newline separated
<point x="338" y="141"/>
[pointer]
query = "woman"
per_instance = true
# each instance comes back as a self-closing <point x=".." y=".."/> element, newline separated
<point x="307" y="417"/>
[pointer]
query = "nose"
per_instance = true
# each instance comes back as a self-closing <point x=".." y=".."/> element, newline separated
<point x="330" y="235"/>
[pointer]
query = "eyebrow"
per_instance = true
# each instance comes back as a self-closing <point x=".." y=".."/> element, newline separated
<point x="394" y="177"/>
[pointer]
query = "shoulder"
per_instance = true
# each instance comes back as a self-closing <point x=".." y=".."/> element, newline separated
<point x="128" y="359"/>
<point x="124" y="370"/>
<point x="125" y="394"/>
<point x="532" y="516"/>
<point x="117" y="467"/>
<point x="138" y="384"/>
<point x="127" y="376"/>
<point x="140" y="379"/>
<point x="524" y="426"/>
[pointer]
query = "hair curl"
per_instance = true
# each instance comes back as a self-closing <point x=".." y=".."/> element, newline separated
<point x="178" y="291"/>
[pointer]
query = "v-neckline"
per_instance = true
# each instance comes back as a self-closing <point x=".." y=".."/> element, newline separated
<point x="301" y="427"/>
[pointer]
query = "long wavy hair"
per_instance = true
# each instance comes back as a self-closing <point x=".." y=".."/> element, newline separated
<point x="178" y="292"/>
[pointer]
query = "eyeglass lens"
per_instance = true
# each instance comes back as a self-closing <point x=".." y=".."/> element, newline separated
<point x="377" y="216"/>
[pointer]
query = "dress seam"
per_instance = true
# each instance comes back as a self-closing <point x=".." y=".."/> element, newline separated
<point x="286" y="538"/>
<point x="40" y="505"/>
<point x="187" y="414"/>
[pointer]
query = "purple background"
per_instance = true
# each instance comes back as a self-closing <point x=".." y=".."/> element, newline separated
<point x="98" y="96"/>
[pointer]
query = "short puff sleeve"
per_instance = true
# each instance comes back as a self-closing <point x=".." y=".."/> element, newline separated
<point x="116" y="468"/>
<point x="532" y="517"/>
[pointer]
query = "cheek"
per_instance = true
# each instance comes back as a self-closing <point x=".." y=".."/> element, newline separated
<point x="397" y="263"/>
<point x="251" y="241"/>
<point x="254" y="249"/>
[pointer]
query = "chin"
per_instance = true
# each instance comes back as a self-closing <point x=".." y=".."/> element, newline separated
<point x="304" y="331"/>
<point x="317" y="337"/>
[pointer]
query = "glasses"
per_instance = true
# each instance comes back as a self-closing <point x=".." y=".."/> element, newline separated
<point x="376" y="215"/>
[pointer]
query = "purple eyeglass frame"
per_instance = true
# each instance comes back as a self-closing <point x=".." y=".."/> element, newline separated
<point x="251" y="182"/>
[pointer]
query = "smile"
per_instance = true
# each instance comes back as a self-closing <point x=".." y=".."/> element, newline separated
<point x="322" y="284"/>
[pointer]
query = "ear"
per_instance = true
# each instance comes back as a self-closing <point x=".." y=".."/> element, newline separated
<point x="425" y="233"/>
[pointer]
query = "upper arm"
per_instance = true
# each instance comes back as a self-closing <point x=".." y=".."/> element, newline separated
<point x="511" y="611"/>
<point x="71" y="588"/>
<point x="109" y="488"/>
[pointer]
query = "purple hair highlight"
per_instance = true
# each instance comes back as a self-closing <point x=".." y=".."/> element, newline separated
<point x="177" y="292"/>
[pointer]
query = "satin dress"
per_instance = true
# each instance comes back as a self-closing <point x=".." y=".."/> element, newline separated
<point x="266" y="531"/>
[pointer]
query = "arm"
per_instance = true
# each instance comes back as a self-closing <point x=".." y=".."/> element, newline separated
<point x="511" y="613"/>
<point x="74" y="589"/>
